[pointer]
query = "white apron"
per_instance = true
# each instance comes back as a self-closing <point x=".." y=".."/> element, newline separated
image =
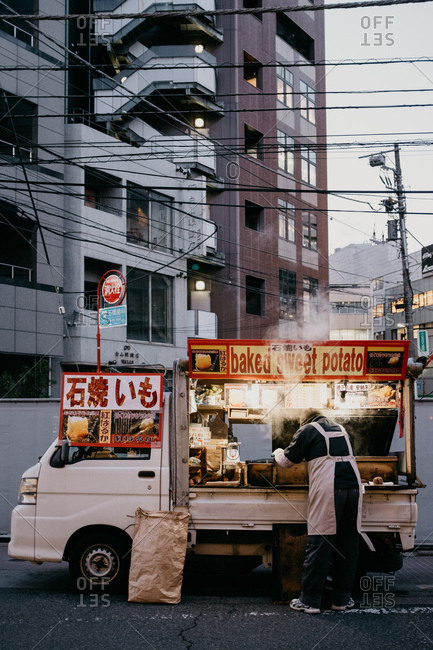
<point x="321" y="508"/>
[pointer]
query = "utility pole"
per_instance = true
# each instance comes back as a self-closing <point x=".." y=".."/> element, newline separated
<point x="407" y="289"/>
<point x="378" y="160"/>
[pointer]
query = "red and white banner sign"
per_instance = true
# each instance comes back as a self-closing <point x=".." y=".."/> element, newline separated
<point x="302" y="360"/>
<point x="111" y="410"/>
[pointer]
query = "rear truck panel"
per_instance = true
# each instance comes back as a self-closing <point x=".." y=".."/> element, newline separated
<point x="235" y="380"/>
<point x="259" y="509"/>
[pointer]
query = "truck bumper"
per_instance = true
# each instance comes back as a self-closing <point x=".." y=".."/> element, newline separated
<point x="22" y="541"/>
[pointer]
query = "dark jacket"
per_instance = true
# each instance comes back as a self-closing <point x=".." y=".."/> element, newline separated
<point x="308" y="443"/>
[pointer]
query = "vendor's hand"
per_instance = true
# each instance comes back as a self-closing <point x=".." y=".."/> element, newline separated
<point x="281" y="458"/>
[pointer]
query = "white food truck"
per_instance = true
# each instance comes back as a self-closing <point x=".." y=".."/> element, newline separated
<point x="206" y="447"/>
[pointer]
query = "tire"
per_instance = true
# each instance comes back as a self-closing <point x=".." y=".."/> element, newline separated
<point x="100" y="562"/>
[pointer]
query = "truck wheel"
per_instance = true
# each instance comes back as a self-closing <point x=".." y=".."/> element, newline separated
<point x="100" y="563"/>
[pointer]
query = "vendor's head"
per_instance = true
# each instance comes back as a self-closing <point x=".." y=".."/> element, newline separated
<point x="308" y="415"/>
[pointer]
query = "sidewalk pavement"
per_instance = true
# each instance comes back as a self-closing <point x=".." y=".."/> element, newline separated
<point x="411" y="585"/>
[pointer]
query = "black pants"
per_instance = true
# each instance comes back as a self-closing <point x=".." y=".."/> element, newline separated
<point x="341" y="550"/>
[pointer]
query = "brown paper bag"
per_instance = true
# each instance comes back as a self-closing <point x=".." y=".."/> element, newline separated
<point x="158" y="557"/>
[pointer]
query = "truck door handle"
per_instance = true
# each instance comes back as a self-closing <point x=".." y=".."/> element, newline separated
<point x="146" y="474"/>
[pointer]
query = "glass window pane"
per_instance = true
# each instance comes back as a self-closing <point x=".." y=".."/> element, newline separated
<point x="138" y="304"/>
<point x="312" y="179"/>
<point x="161" y="309"/>
<point x="290" y="229"/>
<point x="280" y="90"/>
<point x="282" y="226"/>
<point x="138" y="217"/>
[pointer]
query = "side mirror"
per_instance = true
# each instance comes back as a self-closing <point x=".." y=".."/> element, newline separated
<point x="64" y="453"/>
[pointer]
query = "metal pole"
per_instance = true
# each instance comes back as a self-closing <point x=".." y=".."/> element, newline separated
<point x="98" y="331"/>
<point x="407" y="290"/>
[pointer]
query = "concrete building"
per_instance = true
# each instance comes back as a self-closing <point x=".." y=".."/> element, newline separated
<point x="355" y="287"/>
<point x="184" y="151"/>
<point x="366" y="297"/>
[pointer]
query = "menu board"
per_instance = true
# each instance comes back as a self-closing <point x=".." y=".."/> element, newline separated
<point x="363" y="395"/>
<point x="270" y="396"/>
<point x="303" y="396"/>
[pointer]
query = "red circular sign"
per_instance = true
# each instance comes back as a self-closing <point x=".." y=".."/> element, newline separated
<point x="112" y="289"/>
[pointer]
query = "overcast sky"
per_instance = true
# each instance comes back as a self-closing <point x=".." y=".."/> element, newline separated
<point x="379" y="33"/>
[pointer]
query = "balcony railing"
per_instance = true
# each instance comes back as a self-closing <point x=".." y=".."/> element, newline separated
<point x="15" y="272"/>
<point x="9" y="149"/>
<point x="16" y="32"/>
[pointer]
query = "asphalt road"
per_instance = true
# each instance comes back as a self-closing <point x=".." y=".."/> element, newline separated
<point x="39" y="608"/>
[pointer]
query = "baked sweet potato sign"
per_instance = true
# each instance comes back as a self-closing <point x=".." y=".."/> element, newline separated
<point x="108" y="410"/>
<point x="301" y="360"/>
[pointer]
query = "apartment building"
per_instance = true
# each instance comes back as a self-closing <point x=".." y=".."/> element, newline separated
<point x="184" y="150"/>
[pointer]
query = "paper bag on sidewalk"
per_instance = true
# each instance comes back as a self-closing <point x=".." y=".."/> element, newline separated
<point x="158" y="557"/>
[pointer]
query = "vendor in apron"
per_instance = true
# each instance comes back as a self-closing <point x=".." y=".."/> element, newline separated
<point x="334" y="510"/>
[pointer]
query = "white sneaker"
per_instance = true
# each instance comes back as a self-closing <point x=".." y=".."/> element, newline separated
<point x="342" y="608"/>
<point x="299" y="606"/>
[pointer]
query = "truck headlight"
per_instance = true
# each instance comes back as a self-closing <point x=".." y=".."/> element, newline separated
<point x="27" y="491"/>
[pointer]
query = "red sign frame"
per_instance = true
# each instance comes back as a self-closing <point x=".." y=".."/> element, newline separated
<point x="263" y="360"/>
<point x="111" y="410"/>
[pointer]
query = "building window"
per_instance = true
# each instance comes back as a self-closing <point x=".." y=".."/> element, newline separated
<point x="377" y="283"/>
<point x="285" y="86"/>
<point x="308" y="103"/>
<point x="287" y="284"/>
<point x="286" y="159"/>
<point x="347" y="307"/>
<point x="150" y="306"/>
<point x="379" y="310"/>
<point x="22" y="30"/>
<point x="18" y="126"/>
<point x="253" y="4"/>
<point x="102" y="191"/>
<point x="149" y="218"/>
<point x="309" y="231"/>
<point x="17" y="245"/>
<point x="254" y="216"/>
<point x="310" y="298"/>
<point x="93" y="272"/>
<point x="255" y="295"/>
<point x="252" y="70"/>
<point x="286" y="220"/>
<point x="308" y="165"/>
<point x="253" y="142"/>
<point x="292" y="34"/>
<point x="24" y="376"/>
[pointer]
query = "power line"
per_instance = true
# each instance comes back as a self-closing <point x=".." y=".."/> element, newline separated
<point x="217" y="12"/>
<point x="133" y="67"/>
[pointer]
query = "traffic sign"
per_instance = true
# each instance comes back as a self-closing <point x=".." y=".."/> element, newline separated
<point x="423" y="343"/>
<point x="112" y="316"/>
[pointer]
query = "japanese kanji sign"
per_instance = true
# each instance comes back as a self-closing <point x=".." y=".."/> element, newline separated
<point x="122" y="410"/>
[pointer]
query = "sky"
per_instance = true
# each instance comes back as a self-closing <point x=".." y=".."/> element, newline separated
<point x="377" y="34"/>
